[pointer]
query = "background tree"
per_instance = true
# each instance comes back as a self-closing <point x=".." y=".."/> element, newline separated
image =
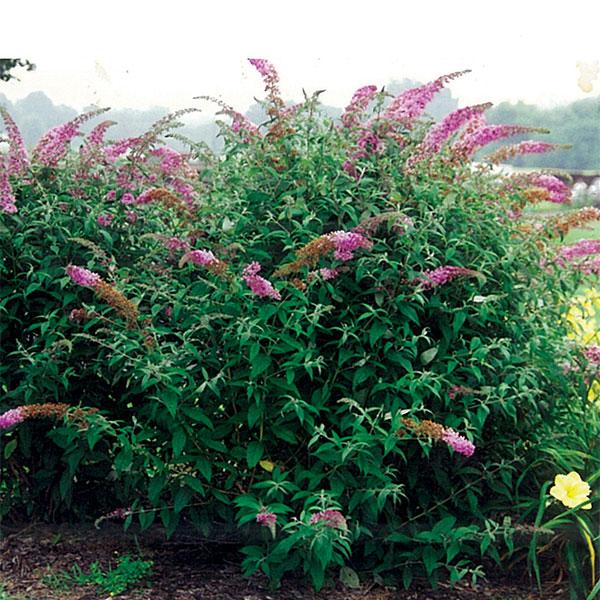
<point x="8" y="64"/>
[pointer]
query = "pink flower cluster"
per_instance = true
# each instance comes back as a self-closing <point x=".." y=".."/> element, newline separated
<point x="105" y="219"/>
<point x="439" y="133"/>
<point x="330" y="518"/>
<point x="82" y="276"/>
<point x="347" y="242"/>
<point x="558" y="191"/>
<point x="358" y="104"/>
<point x="458" y="442"/>
<point x="328" y="274"/>
<point x="582" y="248"/>
<point x="259" y="285"/>
<point x="171" y="162"/>
<point x="442" y="275"/>
<point x="592" y="353"/>
<point x="266" y="518"/>
<point x="11" y="417"/>
<point x="174" y="244"/>
<point x="129" y="198"/>
<point x="204" y="258"/>
<point x="410" y="104"/>
<point x="116" y="149"/>
<point x="18" y="160"/>
<point x="7" y="198"/>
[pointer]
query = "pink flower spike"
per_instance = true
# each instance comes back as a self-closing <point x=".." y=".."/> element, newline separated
<point x="558" y="192"/>
<point x="458" y="442"/>
<point x="359" y="103"/>
<point x="259" y="285"/>
<point x="439" y="133"/>
<point x="82" y="276"/>
<point x="11" y="417"/>
<point x="347" y="242"/>
<point x="442" y="275"/>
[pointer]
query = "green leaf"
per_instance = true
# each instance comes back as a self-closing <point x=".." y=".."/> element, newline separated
<point x="179" y="441"/>
<point x="254" y="453"/>
<point x="427" y="356"/>
<point x="349" y="578"/>
<point x="260" y="363"/>
<point x="10" y="448"/>
<point x="182" y="497"/>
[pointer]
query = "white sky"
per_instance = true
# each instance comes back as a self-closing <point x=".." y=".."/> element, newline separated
<point x="132" y="53"/>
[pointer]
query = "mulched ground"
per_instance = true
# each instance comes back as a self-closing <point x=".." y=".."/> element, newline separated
<point x="185" y="569"/>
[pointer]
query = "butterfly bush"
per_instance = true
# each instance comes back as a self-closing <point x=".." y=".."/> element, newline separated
<point x="403" y="279"/>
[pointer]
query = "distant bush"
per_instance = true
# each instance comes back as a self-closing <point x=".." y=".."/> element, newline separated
<point x="341" y="337"/>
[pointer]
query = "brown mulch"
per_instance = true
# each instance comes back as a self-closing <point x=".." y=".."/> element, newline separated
<point x="186" y="569"/>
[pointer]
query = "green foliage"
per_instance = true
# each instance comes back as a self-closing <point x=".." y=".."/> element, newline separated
<point x="127" y="574"/>
<point x="217" y="406"/>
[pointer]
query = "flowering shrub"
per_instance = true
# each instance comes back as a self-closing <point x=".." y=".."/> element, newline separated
<point x="338" y="337"/>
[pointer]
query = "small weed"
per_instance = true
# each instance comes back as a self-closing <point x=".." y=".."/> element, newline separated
<point x="114" y="581"/>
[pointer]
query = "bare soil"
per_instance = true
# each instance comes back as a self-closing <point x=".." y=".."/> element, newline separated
<point x="185" y="568"/>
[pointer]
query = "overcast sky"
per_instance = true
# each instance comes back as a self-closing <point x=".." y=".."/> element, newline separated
<point x="139" y="54"/>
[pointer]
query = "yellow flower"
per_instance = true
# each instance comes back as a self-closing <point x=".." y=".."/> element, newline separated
<point x="582" y="317"/>
<point x="594" y="393"/>
<point x="571" y="490"/>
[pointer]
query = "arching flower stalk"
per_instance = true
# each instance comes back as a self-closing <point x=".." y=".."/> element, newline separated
<point x="526" y="147"/>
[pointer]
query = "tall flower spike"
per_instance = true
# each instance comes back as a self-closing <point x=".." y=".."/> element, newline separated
<point x="359" y="103"/>
<point x="439" y="133"/>
<point x="442" y="275"/>
<point x="7" y="198"/>
<point x="473" y="141"/>
<point x="270" y="78"/>
<point x="259" y="285"/>
<point x="54" y="145"/>
<point x="411" y="104"/>
<point x="18" y="160"/>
